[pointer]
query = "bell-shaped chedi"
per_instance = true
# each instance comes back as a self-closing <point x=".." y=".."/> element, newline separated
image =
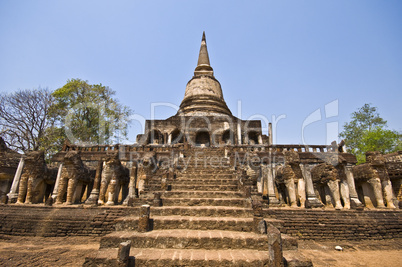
<point x="203" y="94"/>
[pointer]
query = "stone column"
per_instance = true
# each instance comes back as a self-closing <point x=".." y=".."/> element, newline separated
<point x="238" y="134"/>
<point x="312" y="200"/>
<point x="143" y="221"/>
<point x="270" y="134"/>
<point x="157" y="202"/>
<point x="264" y="178"/>
<point x="56" y="185"/>
<point x="93" y="198"/>
<point x="354" y="200"/>
<point x="123" y="253"/>
<point x="13" y="195"/>
<point x="169" y="139"/>
<point x="260" y="139"/>
<point x="246" y="140"/>
<point x="275" y="247"/>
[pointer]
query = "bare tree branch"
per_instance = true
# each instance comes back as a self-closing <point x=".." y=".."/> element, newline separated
<point x="24" y="118"/>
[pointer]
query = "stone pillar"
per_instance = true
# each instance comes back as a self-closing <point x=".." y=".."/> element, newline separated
<point x="246" y="141"/>
<point x="13" y="195"/>
<point x="272" y="200"/>
<point x="157" y="202"/>
<point x="388" y="194"/>
<point x="260" y="139"/>
<point x="56" y="185"/>
<point x="264" y="179"/>
<point x="164" y="184"/>
<point x="93" y="198"/>
<point x="312" y="200"/>
<point x="238" y="133"/>
<point x="123" y="253"/>
<point x="275" y="247"/>
<point x="258" y="217"/>
<point x="270" y="134"/>
<point x="354" y="199"/>
<point x="143" y="221"/>
<point x="169" y="139"/>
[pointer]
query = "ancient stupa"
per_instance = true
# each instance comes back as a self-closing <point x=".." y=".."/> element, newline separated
<point x="203" y="119"/>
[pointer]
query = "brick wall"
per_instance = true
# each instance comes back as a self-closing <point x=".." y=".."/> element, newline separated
<point x="340" y="225"/>
<point x="38" y="220"/>
<point x="58" y="221"/>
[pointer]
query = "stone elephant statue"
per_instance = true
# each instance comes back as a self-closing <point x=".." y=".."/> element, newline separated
<point x="374" y="174"/>
<point x="254" y="174"/>
<point x="9" y="161"/>
<point x="35" y="179"/>
<point x="145" y="170"/>
<point x="290" y="174"/>
<point x="326" y="177"/>
<point x="74" y="177"/>
<point x="114" y="178"/>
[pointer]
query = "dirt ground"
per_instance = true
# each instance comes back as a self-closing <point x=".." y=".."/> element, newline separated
<point x="71" y="251"/>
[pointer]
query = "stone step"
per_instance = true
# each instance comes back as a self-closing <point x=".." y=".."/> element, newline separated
<point x="194" y="239"/>
<point x="201" y="194"/>
<point x="203" y="171"/>
<point x="186" y="239"/>
<point x="204" y="175"/>
<point x="202" y="211"/>
<point x="205" y="178"/>
<point x="198" y="181"/>
<point x="130" y="223"/>
<point x="185" y="257"/>
<point x="180" y="187"/>
<point x="234" y="202"/>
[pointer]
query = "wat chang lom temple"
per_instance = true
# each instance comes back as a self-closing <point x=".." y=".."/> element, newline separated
<point x="202" y="184"/>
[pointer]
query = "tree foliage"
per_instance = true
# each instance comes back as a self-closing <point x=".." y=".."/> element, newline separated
<point x="366" y="132"/>
<point x="88" y="114"/>
<point x="24" y="118"/>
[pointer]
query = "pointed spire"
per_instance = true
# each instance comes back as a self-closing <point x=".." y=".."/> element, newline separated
<point x="203" y="66"/>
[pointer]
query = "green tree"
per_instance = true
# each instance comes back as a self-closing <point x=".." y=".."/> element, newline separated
<point x="366" y="132"/>
<point x="87" y="114"/>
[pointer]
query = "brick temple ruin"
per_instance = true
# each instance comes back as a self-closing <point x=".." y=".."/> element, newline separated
<point x="203" y="184"/>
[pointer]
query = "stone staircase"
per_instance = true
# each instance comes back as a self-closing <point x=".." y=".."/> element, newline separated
<point x="204" y="221"/>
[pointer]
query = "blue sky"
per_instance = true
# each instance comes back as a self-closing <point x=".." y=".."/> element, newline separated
<point x="279" y="58"/>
